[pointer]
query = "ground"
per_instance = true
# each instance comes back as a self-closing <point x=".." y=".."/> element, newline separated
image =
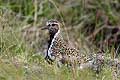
<point x="86" y="23"/>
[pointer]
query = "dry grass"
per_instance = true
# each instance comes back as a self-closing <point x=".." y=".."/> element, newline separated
<point x="21" y="58"/>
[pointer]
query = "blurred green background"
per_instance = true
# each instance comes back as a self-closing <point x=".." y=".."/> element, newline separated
<point x="89" y="25"/>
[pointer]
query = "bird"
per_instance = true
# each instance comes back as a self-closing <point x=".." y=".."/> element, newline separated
<point x="58" y="49"/>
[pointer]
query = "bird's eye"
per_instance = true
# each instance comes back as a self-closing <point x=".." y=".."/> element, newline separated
<point x="53" y="24"/>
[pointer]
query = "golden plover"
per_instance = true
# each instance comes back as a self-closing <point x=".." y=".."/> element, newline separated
<point x="58" y="49"/>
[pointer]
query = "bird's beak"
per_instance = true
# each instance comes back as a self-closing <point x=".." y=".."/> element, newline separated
<point x="45" y="27"/>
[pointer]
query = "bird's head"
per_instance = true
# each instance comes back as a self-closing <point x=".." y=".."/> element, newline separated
<point x="52" y="26"/>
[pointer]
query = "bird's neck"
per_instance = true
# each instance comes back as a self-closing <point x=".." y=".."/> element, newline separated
<point x="52" y="37"/>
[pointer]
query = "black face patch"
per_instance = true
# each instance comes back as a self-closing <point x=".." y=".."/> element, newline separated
<point x="48" y="25"/>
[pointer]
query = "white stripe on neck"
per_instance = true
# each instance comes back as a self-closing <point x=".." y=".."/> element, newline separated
<point x="49" y="50"/>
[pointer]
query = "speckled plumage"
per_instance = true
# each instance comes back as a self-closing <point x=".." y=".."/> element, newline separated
<point x="58" y="49"/>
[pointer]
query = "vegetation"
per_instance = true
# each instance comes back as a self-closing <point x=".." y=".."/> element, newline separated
<point x="86" y="23"/>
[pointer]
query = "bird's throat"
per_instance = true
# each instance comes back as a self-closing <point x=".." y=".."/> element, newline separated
<point x="50" y="40"/>
<point x="52" y="37"/>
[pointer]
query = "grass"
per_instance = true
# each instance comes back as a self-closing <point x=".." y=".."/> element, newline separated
<point x="21" y="61"/>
